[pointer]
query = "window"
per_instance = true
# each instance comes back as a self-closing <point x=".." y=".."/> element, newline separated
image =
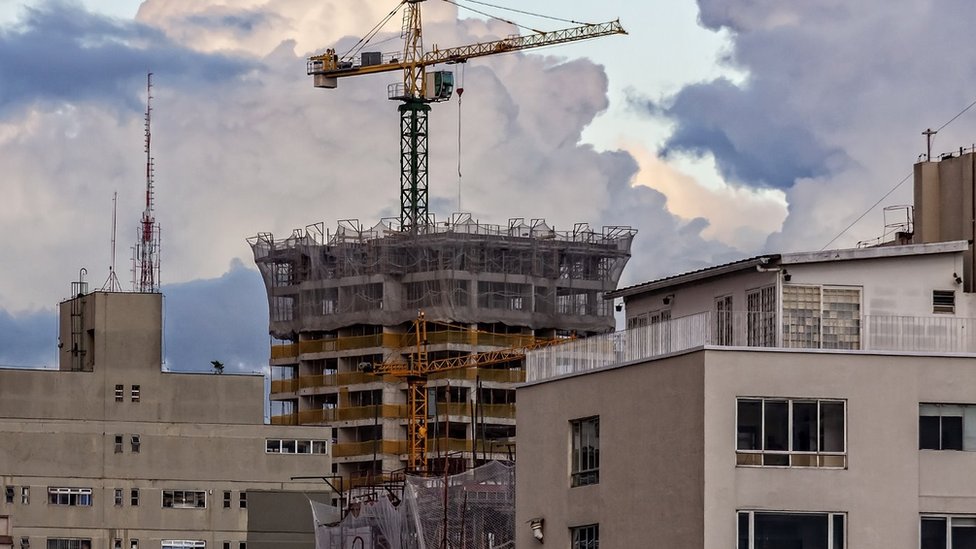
<point x="75" y="497"/>
<point x="134" y="497"/>
<point x="723" y="320"/>
<point x="947" y="427"/>
<point x="66" y="543"/>
<point x="227" y="499"/>
<point x="118" y="497"/>
<point x="25" y="495"/>
<point x="761" y="530"/>
<point x="135" y="393"/>
<point x="944" y="301"/>
<point x="586" y="451"/>
<point x="117" y="543"/>
<point x="8" y="494"/>
<point x="586" y="537"/>
<point x="226" y="545"/>
<point x="761" y="317"/>
<point x="242" y="545"/>
<point x="790" y="432"/>
<point x="118" y="444"/>
<point x="136" y="443"/>
<point x="184" y="499"/>
<point x="243" y="500"/>
<point x="941" y="532"/>
<point x="24" y="543"/>
<point x="133" y="544"/>
<point x="181" y="543"/>
<point x="119" y="393"/>
<point x="278" y="446"/>
<point x="816" y="317"/>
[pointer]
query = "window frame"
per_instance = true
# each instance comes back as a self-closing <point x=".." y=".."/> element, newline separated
<point x="580" y="473"/>
<point x="182" y="504"/>
<point x="68" y="543"/>
<point x="762" y="312"/>
<point x="136" y="393"/>
<point x="831" y="517"/>
<point x="119" y="393"/>
<point x="73" y="497"/>
<point x="181" y="543"/>
<point x="948" y="518"/>
<point x="593" y="535"/>
<point x="804" y="459"/>
<point x="134" y="497"/>
<point x="963" y="447"/>
<point x="788" y="326"/>
<point x="135" y="443"/>
<point x="724" y="306"/>
<point x="943" y="302"/>
<point x="25" y="495"/>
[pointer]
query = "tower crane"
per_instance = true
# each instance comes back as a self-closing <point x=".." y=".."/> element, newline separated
<point x="418" y="367"/>
<point x="421" y="87"/>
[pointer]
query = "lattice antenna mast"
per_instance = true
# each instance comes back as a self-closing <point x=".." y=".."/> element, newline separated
<point x="146" y="268"/>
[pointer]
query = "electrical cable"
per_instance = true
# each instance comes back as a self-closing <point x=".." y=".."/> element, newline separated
<point x="900" y="183"/>
<point x="460" y="93"/>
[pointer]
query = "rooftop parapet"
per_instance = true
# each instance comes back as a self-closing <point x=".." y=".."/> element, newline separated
<point x="749" y="331"/>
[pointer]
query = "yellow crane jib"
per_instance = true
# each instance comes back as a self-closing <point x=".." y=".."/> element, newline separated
<point x="327" y="68"/>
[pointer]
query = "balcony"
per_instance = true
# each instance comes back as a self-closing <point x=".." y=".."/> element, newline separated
<point x="349" y="449"/>
<point x="506" y="411"/>
<point x="396" y="341"/>
<point x="935" y="334"/>
<point x="482" y="374"/>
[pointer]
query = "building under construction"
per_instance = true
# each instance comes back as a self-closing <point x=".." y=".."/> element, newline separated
<point x="343" y="303"/>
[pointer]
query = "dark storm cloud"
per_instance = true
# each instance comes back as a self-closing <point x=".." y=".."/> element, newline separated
<point x="741" y="127"/>
<point x="58" y="51"/>
<point x="28" y="339"/>
<point x="223" y="319"/>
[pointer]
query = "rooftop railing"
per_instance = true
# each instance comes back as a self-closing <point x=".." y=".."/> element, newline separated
<point x="844" y="331"/>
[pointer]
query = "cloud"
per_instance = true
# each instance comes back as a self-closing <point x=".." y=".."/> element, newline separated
<point x="223" y="318"/>
<point x="59" y="52"/>
<point x="835" y="98"/>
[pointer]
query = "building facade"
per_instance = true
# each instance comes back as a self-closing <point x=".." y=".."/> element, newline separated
<point x="341" y="303"/>
<point x="818" y="400"/>
<point x="110" y="452"/>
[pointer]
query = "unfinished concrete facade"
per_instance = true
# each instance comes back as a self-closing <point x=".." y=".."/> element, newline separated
<point x="341" y="302"/>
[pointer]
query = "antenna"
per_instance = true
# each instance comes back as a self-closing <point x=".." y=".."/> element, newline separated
<point x="145" y="269"/>
<point x="112" y="283"/>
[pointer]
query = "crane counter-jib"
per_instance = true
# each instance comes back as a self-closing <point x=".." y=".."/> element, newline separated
<point x="330" y="66"/>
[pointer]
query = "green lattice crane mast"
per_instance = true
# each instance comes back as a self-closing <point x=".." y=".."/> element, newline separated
<point x="421" y="87"/>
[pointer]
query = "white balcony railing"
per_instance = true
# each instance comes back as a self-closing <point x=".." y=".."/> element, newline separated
<point x="935" y="334"/>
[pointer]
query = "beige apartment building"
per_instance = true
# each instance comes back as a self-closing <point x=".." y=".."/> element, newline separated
<point x="819" y="400"/>
<point x="111" y="452"/>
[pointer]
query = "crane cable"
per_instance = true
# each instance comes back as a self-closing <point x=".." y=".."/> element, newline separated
<point x="376" y="29"/>
<point x="528" y="13"/>
<point x="490" y="16"/>
<point x="460" y="93"/>
<point x="900" y="183"/>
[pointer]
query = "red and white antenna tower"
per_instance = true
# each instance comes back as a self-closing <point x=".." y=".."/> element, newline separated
<point x="145" y="268"/>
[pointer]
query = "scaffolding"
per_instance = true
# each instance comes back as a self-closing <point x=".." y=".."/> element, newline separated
<point x="525" y="274"/>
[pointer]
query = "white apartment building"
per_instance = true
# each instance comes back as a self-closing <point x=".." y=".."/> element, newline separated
<point x="809" y="400"/>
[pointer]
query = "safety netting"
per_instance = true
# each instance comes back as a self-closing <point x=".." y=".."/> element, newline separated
<point x="470" y="510"/>
<point x="526" y="274"/>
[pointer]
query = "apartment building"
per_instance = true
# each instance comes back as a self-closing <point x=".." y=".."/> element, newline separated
<point x="111" y="452"/>
<point x="819" y="400"/>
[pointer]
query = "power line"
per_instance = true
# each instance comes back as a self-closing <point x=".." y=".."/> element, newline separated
<point x="900" y="183"/>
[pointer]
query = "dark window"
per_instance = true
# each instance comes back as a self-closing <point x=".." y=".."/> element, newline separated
<point x="585" y="451"/>
<point x="136" y="393"/>
<point x="243" y="500"/>
<point x="74" y="497"/>
<point x="946" y="427"/>
<point x="118" y="444"/>
<point x="136" y="444"/>
<point x="227" y="499"/>
<point x="118" y="499"/>
<point x="766" y="530"/>
<point x="134" y="497"/>
<point x="790" y="432"/>
<point x="184" y="499"/>
<point x="226" y="545"/>
<point x="586" y="537"/>
<point x="946" y="532"/>
<point x="8" y="494"/>
<point x="119" y="393"/>
<point x="65" y="543"/>
<point x="943" y="301"/>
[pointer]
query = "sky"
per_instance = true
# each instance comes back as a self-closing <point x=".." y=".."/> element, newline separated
<point x="718" y="128"/>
